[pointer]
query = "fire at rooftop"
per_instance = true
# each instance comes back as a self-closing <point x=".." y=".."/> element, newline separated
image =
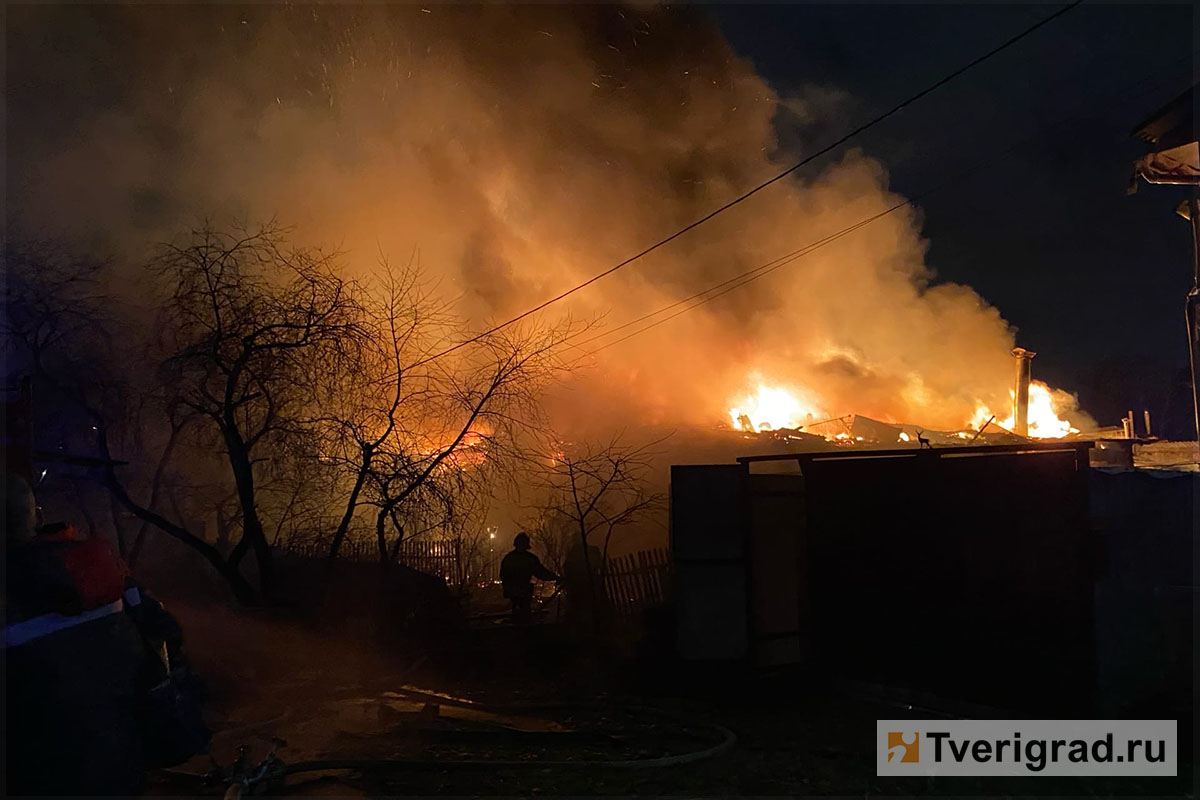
<point x="1037" y="412"/>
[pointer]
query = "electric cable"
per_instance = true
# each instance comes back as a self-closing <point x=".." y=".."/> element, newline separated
<point x="769" y="182"/>
<point x="754" y="274"/>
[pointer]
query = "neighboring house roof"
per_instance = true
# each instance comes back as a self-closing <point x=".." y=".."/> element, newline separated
<point x="1172" y="125"/>
<point x="1175" y="157"/>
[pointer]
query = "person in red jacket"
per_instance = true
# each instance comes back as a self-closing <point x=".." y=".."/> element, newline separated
<point x="73" y="659"/>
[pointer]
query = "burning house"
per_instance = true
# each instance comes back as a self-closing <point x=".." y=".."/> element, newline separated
<point x="775" y="413"/>
<point x="1014" y="566"/>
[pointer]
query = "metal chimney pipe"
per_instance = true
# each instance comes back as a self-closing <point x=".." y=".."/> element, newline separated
<point x="1021" y="395"/>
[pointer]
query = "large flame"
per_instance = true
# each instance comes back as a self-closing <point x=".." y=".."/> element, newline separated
<point x="772" y="408"/>
<point x="1045" y="404"/>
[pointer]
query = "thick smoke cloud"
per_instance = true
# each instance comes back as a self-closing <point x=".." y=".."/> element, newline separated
<point x="518" y="150"/>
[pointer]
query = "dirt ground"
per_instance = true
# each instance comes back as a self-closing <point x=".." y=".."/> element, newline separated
<point x="532" y="697"/>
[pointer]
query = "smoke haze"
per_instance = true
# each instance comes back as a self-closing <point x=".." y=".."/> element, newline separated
<point x="519" y="150"/>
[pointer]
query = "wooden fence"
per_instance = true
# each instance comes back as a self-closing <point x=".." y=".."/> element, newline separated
<point x="631" y="582"/>
<point x="431" y="556"/>
<point x="638" y="581"/>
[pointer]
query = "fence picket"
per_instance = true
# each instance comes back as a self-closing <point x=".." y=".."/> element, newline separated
<point x="648" y="593"/>
<point x="629" y="584"/>
<point x="656" y="563"/>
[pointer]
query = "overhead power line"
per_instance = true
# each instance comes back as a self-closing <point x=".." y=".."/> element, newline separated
<point x="751" y="275"/>
<point x="738" y="281"/>
<point x="741" y="198"/>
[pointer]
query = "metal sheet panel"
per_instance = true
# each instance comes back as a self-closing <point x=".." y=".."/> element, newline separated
<point x="776" y="549"/>
<point x="708" y="549"/>
<point x="967" y="576"/>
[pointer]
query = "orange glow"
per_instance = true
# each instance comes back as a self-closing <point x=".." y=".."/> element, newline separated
<point x="1044" y="422"/>
<point x="772" y="408"/>
<point x="470" y="452"/>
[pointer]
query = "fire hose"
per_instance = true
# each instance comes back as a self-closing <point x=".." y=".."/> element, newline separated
<point x="242" y="777"/>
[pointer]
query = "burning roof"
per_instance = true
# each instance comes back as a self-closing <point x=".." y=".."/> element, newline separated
<point x="794" y="414"/>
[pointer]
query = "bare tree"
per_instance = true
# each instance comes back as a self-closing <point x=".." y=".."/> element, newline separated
<point x="54" y="325"/>
<point x="476" y="414"/>
<point x="594" y="490"/>
<point x="250" y="325"/>
<point x="414" y="432"/>
<point x="177" y="424"/>
<point x="56" y="330"/>
<point x="309" y="401"/>
<point x="467" y="543"/>
<point x="552" y="533"/>
<point x="464" y="533"/>
<point x="385" y="397"/>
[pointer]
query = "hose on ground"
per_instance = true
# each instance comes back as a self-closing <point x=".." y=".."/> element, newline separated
<point x="728" y="740"/>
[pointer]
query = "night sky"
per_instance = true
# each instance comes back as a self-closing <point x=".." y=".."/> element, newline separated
<point x="1092" y="278"/>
